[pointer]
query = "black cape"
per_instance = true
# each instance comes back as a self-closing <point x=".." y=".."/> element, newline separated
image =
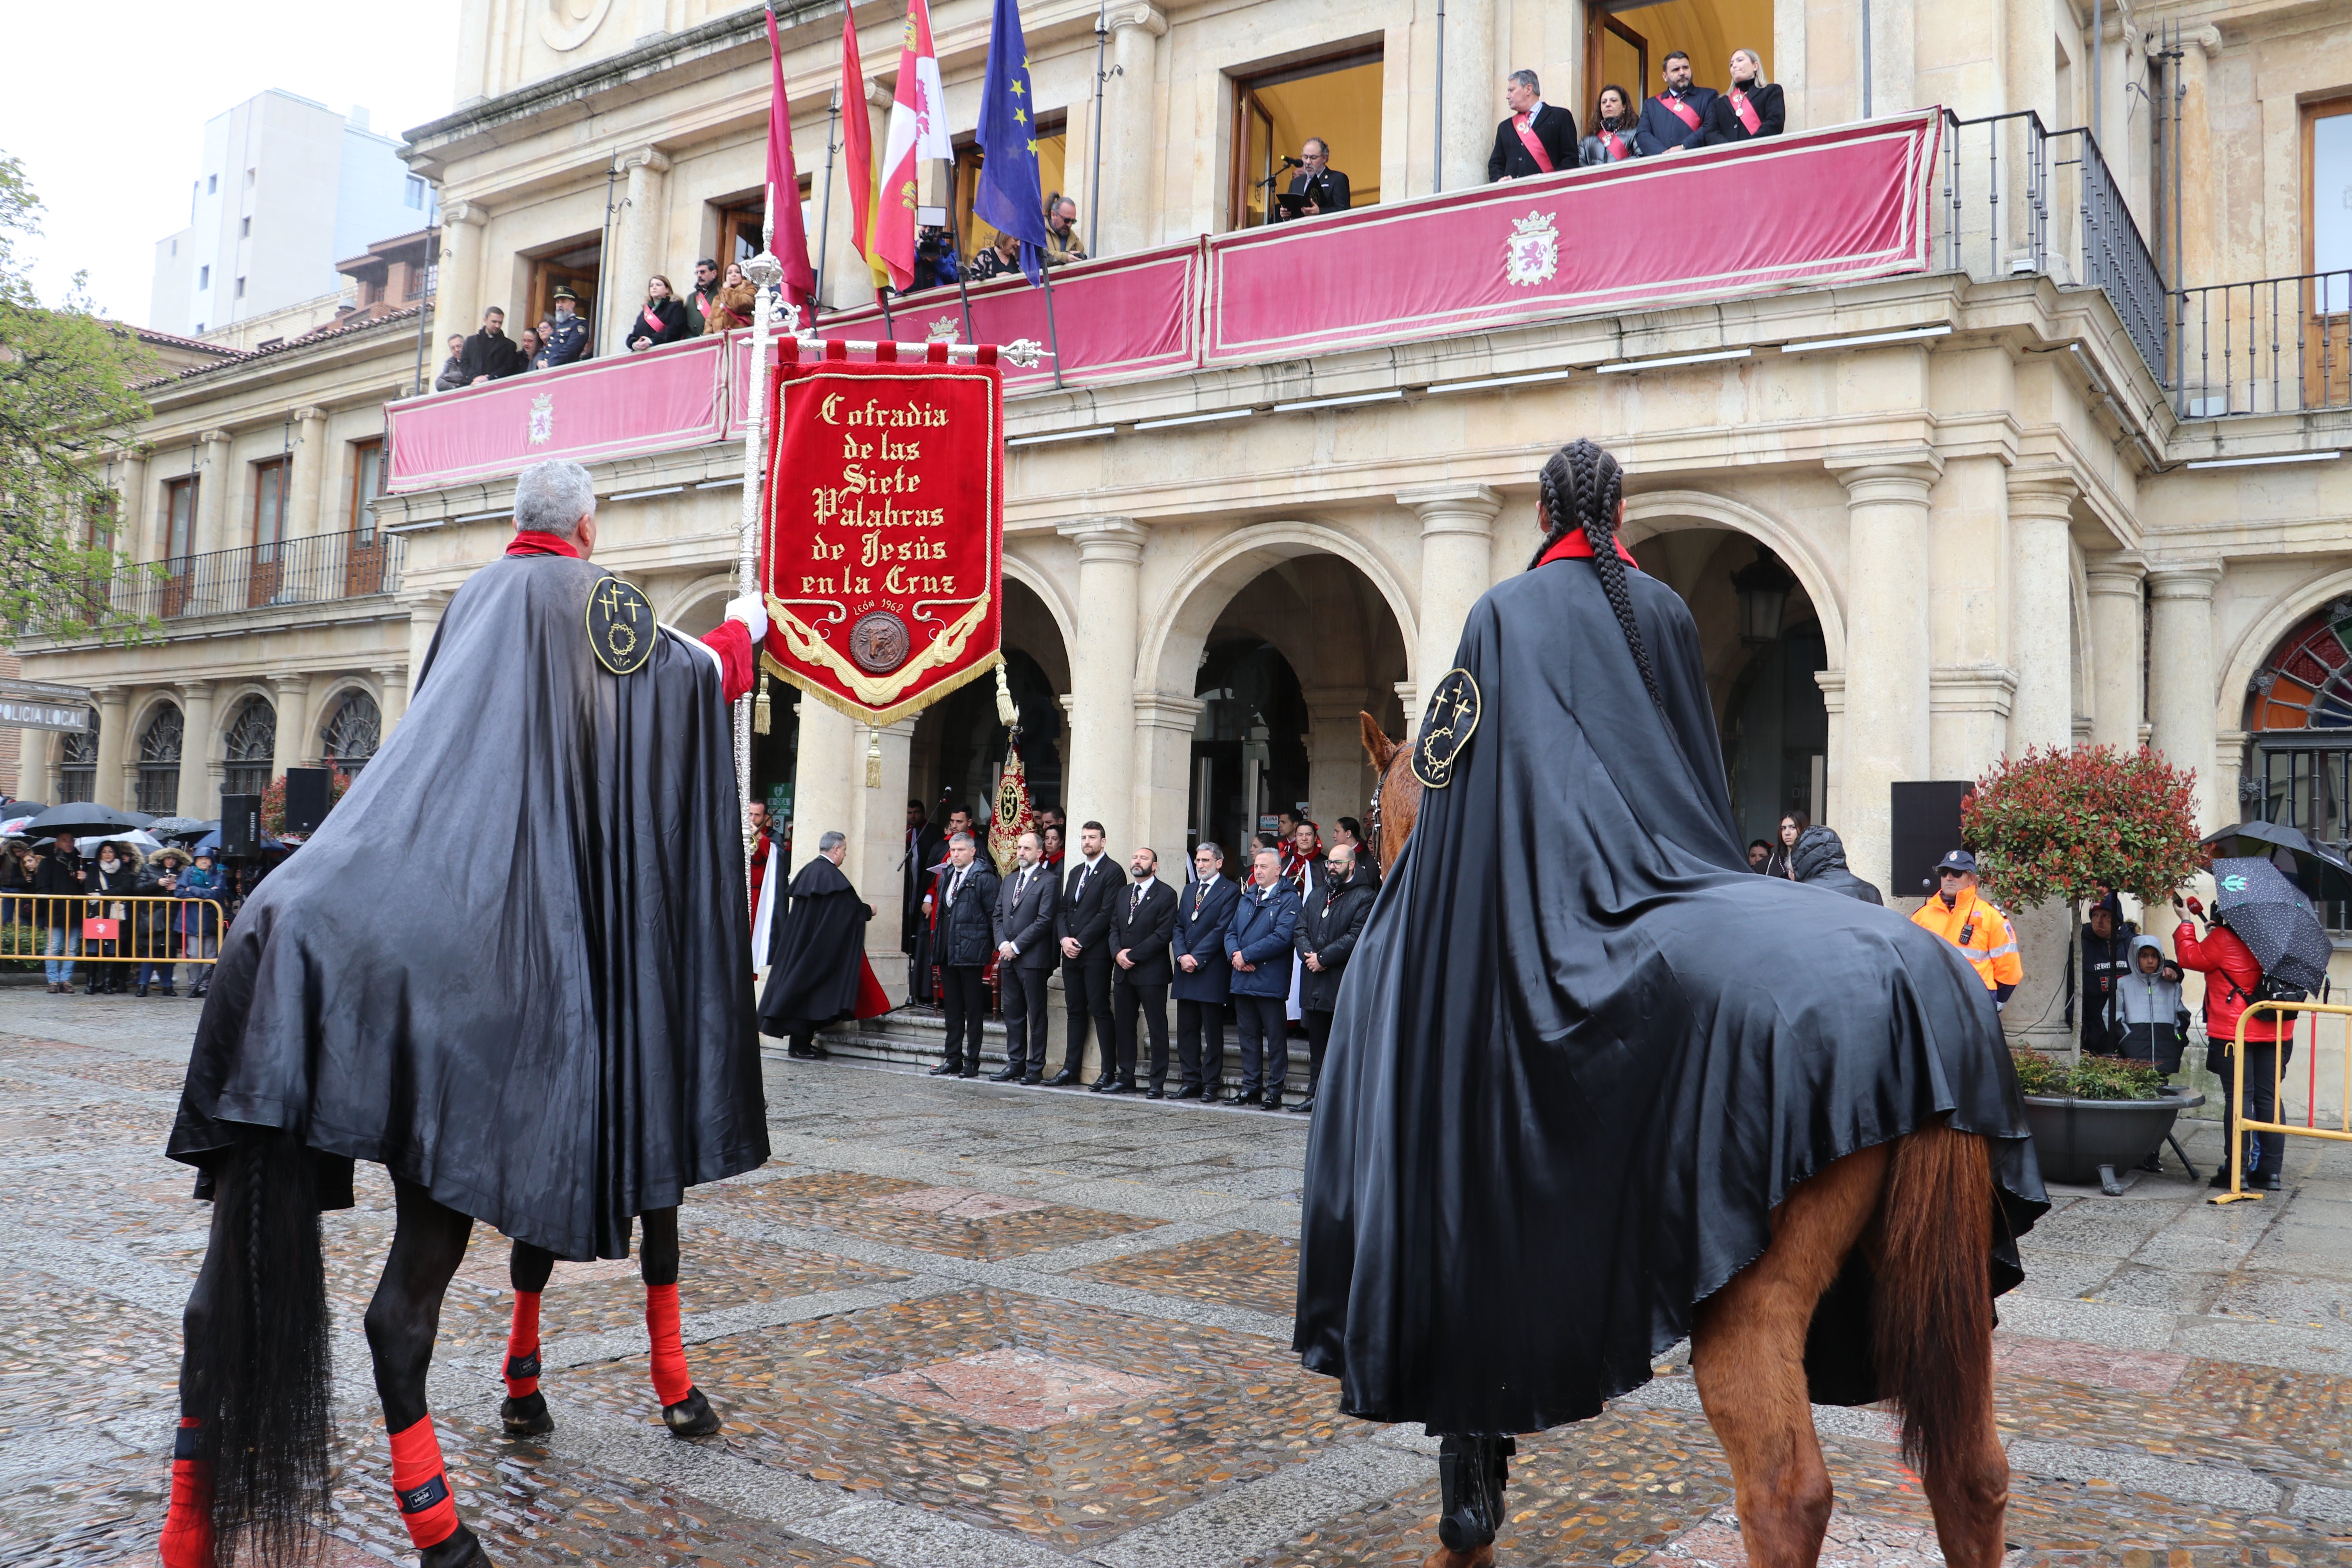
<point x="511" y="964"/>
<point x="1581" y="1051"/>
<point x="817" y="953"/>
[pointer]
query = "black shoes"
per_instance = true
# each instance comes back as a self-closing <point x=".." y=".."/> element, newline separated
<point x="1121" y="1086"/>
<point x="1010" y="1075"/>
<point x="1273" y="1101"/>
<point x="1063" y="1079"/>
<point x="1033" y="1080"/>
<point x="1155" y="1092"/>
<point x="951" y="1067"/>
<point x="972" y="1072"/>
<point x="1189" y="1091"/>
<point x="1305" y="1106"/>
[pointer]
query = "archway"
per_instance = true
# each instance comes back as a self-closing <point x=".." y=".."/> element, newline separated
<point x="159" y="761"/>
<point x="2298" y="719"/>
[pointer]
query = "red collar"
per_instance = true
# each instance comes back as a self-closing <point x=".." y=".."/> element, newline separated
<point x="1574" y="546"/>
<point x="529" y="542"/>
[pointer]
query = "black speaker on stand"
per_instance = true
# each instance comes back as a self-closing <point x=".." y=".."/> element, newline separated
<point x="306" y="798"/>
<point x="1926" y="822"/>
<point x="240" y="828"/>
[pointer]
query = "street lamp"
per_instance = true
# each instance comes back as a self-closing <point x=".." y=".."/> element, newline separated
<point x="1763" y="587"/>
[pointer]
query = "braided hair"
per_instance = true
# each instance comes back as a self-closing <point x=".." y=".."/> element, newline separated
<point x="1582" y="487"/>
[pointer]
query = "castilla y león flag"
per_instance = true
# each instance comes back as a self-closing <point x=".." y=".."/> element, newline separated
<point x="884" y="540"/>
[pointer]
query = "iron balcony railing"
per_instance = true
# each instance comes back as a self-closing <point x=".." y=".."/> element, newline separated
<point x="323" y="569"/>
<point x="2276" y="345"/>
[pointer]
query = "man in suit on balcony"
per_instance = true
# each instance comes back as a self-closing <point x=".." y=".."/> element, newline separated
<point x="1676" y="117"/>
<point x="1537" y="138"/>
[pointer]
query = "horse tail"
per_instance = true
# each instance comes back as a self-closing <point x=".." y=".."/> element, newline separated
<point x="261" y="1371"/>
<point x="1933" y="1307"/>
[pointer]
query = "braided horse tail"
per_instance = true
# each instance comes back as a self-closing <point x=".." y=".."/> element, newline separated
<point x="1581" y="486"/>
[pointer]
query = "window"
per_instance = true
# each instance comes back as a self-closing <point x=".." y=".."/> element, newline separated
<point x="102" y="513"/>
<point x="1052" y="151"/>
<point x="180" y="520"/>
<point x="252" y="748"/>
<point x="175" y="247"/>
<point x="77" y="764"/>
<point x="367" y="483"/>
<point x="349" y="736"/>
<point x="159" y="763"/>
<point x="212" y="184"/>
<point x="245" y="229"/>
<point x="204" y="280"/>
<point x="1337" y="98"/>
<point x="414" y="195"/>
<point x="2327" y="242"/>
<point x="573" y="262"/>
<point x="269" y="486"/>
<point x="248" y="179"/>
<point x="240" y="289"/>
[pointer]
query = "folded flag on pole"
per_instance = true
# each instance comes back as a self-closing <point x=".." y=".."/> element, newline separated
<point x="790" y="239"/>
<point x="919" y="130"/>
<point x="1011" y="196"/>
<point x="858" y="154"/>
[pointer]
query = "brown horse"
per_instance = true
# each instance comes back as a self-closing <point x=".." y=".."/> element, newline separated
<point x="1921" y="1207"/>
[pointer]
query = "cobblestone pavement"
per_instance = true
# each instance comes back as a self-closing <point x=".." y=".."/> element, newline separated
<point x="962" y="1325"/>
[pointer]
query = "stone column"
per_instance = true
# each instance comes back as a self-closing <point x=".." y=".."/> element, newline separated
<point x="877" y="844"/>
<point x="1130" y="98"/>
<point x="1832" y="801"/>
<point x="295" y="744"/>
<point x="1886" y="674"/>
<point x="196" y="749"/>
<point x="2116" y="646"/>
<point x="2041" y="605"/>
<point x="212" y="495"/>
<point x="637" y="250"/>
<point x="2228" y="778"/>
<point x="131" y="509"/>
<point x="393" y="680"/>
<point x="2180" y="684"/>
<point x="310" y="472"/>
<point x="828" y="775"/>
<point x="458" y="285"/>
<point x="1474" y="94"/>
<point x="1164" y="726"/>
<point x="423" y="620"/>
<point x="106" y="780"/>
<point x="1338" y="775"/>
<point x="1098" y="777"/>
<point x="1457" y="530"/>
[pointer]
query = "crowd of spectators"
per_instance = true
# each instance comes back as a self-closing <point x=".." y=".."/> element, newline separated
<point x="50" y="887"/>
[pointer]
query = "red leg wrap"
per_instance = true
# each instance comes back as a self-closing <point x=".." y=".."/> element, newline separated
<point x="671" y="1381"/>
<point x="188" y="1525"/>
<point x="420" y="1484"/>
<point x="523" y="1346"/>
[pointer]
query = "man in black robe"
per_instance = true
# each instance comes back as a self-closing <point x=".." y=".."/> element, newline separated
<point x="1581" y="1052"/>
<point x="817" y="957"/>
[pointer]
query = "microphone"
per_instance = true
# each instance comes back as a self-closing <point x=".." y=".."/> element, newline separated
<point x="1293" y="163"/>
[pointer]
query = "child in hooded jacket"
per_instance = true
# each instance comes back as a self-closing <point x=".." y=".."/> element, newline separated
<point x="2143" y="1009"/>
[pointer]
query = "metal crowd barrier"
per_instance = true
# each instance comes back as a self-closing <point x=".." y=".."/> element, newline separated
<point x="2282" y="1081"/>
<point x="146" y="929"/>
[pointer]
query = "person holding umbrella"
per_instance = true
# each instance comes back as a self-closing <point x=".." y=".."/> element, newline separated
<point x="2265" y="944"/>
<point x="57" y="881"/>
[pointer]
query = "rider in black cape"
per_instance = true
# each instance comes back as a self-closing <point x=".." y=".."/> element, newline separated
<point x="819" y="972"/>
<point x="511" y="968"/>
<point x="1581" y="1051"/>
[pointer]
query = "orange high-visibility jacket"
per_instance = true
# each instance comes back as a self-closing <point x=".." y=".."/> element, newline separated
<point x="1980" y="931"/>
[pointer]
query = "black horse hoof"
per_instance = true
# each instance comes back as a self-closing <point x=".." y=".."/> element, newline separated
<point x="527" y="1417"/>
<point x="691" y="1416"/>
<point x="461" y="1550"/>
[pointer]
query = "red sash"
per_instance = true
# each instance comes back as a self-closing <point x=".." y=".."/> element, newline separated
<point x="1616" y="148"/>
<point x="1574" y="546"/>
<point x="529" y="541"/>
<point x="653" y="320"/>
<point x="1531" y="141"/>
<point x="1745" y="110"/>
<point x="1678" y="109"/>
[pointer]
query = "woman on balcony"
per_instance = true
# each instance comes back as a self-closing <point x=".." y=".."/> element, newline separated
<point x="1751" y="107"/>
<point x="733" y="306"/>
<point x="1612" y="140"/>
<point x="663" y="321"/>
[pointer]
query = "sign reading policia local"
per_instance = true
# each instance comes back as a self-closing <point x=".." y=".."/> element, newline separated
<point x="884" y="540"/>
<point x="42" y="705"/>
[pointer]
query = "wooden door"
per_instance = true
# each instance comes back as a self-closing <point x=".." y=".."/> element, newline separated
<point x="2326" y="302"/>
<point x="363" y="554"/>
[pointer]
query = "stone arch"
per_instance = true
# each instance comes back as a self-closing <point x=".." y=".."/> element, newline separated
<point x="1172" y="639"/>
<point x="2281" y="616"/>
<point x="1647" y="510"/>
<point x="679" y="610"/>
<point x="327" y="703"/>
<point x="1049" y="589"/>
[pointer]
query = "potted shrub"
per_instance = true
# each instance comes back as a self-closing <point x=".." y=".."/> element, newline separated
<point x="2073" y="824"/>
<point x="2097" y="1116"/>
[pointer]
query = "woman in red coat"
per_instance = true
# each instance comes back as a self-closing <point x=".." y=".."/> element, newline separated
<point x="2231" y="978"/>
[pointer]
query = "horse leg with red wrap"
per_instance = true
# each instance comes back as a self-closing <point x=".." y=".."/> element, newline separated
<point x="403" y="1321"/>
<point x="685" y="1411"/>
<point x="524" y="1411"/>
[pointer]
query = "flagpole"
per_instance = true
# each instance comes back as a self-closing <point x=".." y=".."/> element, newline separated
<point x="765" y="273"/>
<point x="1053" y="333"/>
<point x="963" y="291"/>
<point x="825" y="213"/>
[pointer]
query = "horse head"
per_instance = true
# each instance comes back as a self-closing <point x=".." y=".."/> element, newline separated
<point x="1396" y="799"/>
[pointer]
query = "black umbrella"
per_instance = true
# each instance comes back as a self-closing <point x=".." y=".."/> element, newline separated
<point x="2254" y="899"/>
<point x="83" y="816"/>
<point x="180" y="828"/>
<point x="2315" y="869"/>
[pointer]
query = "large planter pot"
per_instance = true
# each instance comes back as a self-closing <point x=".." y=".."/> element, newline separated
<point x="2084" y="1141"/>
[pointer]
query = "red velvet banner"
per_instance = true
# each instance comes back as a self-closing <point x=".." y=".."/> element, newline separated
<point x="884" y="540"/>
<point x="1805" y="210"/>
<point x="657" y="401"/>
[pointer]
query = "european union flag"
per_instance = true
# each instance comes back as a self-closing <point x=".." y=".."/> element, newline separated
<point x="1011" y="194"/>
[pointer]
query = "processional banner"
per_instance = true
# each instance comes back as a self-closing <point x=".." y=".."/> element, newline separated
<point x="883" y="538"/>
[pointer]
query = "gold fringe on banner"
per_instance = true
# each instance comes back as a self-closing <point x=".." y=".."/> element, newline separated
<point x="760" y="707"/>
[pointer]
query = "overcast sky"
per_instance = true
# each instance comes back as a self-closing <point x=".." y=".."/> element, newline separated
<point x="110" y="135"/>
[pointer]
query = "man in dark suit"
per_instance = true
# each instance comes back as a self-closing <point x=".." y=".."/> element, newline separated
<point x="920" y="980"/>
<point x="1257" y="946"/>
<point x="1090" y="885"/>
<point x="925" y="848"/>
<point x="1025" y="951"/>
<point x="1203" y="978"/>
<point x="967" y="895"/>
<point x="1538" y="138"/>
<point x="1142" y="918"/>
<point x="1676" y="117"/>
<point x="1325" y="188"/>
<point x="489" y="354"/>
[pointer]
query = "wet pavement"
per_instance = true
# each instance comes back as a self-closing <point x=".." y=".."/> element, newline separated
<point x="956" y="1323"/>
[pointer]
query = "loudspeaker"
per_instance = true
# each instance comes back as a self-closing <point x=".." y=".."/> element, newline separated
<point x="1926" y="826"/>
<point x="240" y="825"/>
<point x="306" y="798"/>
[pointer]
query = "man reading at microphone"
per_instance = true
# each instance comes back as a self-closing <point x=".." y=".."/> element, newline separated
<point x="1323" y="186"/>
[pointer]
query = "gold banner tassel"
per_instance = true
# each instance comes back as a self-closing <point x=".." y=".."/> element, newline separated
<point x="872" y="759"/>
<point x="760" y="707"/>
<point x="1006" y="713"/>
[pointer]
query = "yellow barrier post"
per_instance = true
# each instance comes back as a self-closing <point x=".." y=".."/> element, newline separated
<point x="148" y="933"/>
<point x="2239" y="1125"/>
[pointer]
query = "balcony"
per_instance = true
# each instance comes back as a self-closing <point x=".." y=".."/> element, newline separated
<point x="328" y="568"/>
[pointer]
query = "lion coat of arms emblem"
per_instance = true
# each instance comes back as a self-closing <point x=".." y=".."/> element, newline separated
<point x="1531" y="255"/>
<point x="542" y="419"/>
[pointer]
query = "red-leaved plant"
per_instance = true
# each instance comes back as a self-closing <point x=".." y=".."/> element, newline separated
<point x="273" y="801"/>
<point x="2075" y="824"/>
